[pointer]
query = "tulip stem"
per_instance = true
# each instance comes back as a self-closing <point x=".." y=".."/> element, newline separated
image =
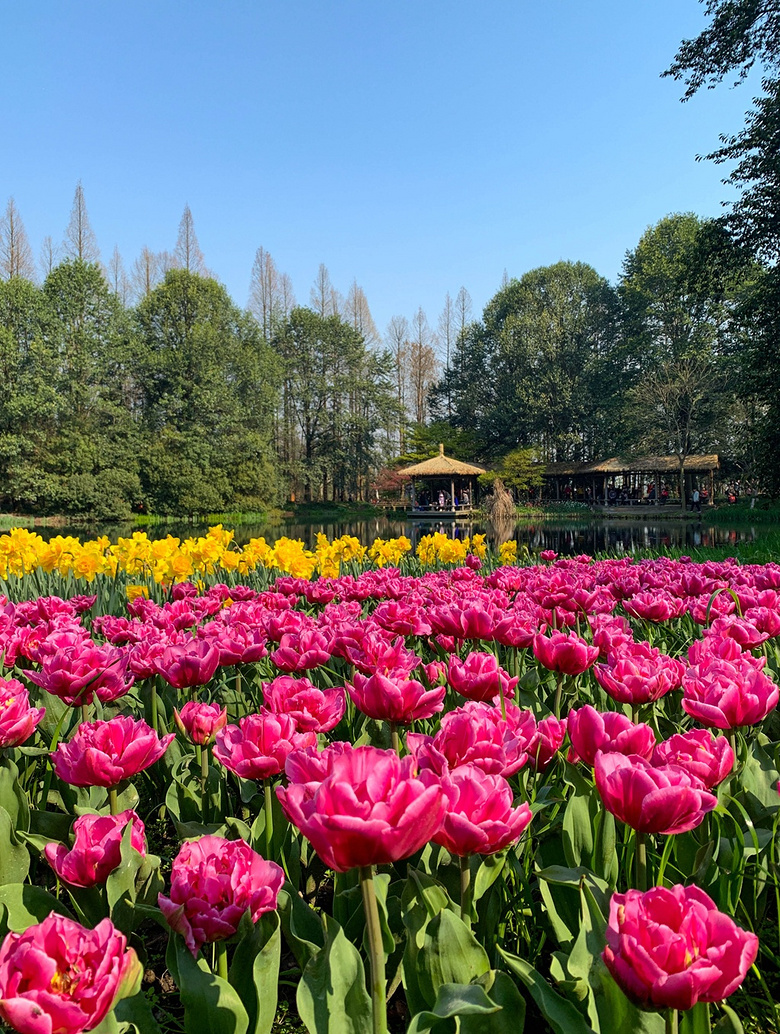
<point x="204" y="775"/>
<point x="466" y="891"/>
<point x="85" y="712"/>
<point x="376" y="950"/>
<point x="558" y="691"/>
<point x="641" y="861"/>
<point x="154" y="706"/>
<point x="269" y="817"/>
<point x="113" y="801"/>
<point x="671" y="1021"/>
<point x="395" y="740"/>
<point x="222" y="965"/>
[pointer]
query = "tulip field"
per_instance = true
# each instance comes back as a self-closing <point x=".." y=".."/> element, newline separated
<point x="365" y="789"/>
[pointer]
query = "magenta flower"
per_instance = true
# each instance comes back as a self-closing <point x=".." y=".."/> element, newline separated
<point x="649" y="798"/>
<point x="96" y="850"/>
<point x="638" y="673"/>
<point x="312" y="709"/>
<point x="565" y="652"/>
<point x="479" y="677"/>
<point x="655" y="606"/>
<point x="78" y="672"/>
<point x="669" y="948"/>
<point x="709" y="758"/>
<point x="17" y="719"/>
<point x="301" y="651"/>
<point x="370" y="809"/>
<point x="591" y="731"/>
<point x="550" y="734"/>
<point x="479" y="816"/>
<point x="728" y="694"/>
<point x="105" y="753"/>
<point x="191" y="663"/>
<point x="200" y="723"/>
<point x="395" y="698"/>
<point x="258" y="746"/>
<point x="59" y="978"/>
<point x="213" y="883"/>
<point x="477" y="733"/>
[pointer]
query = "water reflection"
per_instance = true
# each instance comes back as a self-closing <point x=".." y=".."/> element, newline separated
<point x="568" y="538"/>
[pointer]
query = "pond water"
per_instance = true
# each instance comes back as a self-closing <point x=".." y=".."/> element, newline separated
<point x="569" y="537"/>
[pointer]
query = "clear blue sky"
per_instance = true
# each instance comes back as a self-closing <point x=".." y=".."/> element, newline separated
<point x="415" y="145"/>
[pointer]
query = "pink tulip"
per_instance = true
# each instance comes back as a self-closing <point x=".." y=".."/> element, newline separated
<point x="200" y="723"/>
<point x="213" y="883"/>
<point x="649" y="798"/>
<point x="17" y="719"/>
<point x="105" y="753"/>
<point x="479" y="677"/>
<point x="655" y="606"/>
<point x="610" y="634"/>
<point x="402" y="618"/>
<point x="479" y="816"/>
<point x="721" y="648"/>
<point x="371" y="809"/>
<point x="765" y="619"/>
<point x="726" y="695"/>
<point x="191" y="663"/>
<point x="732" y="627"/>
<point x="258" y="746"/>
<point x="59" y="978"/>
<point x="96" y="850"/>
<point x="396" y="699"/>
<point x="565" y="652"/>
<point x="301" y="651"/>
<point x="79" y="672"/>
<point x="550" y="734"/>
<point x="591" y="731"/>
<point x="638" y="673"/>
<point x="669" y="948"/>
<point x="312" y="709"/>
<point x="371" y="652"/>
<point x="477" y="733"/>
<point x="548" y="555"/>
<point x="709" y="758"/>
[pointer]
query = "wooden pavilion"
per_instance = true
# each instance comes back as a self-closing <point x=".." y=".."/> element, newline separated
<point x="442" y="477"/>
<point x="630" y="477"/>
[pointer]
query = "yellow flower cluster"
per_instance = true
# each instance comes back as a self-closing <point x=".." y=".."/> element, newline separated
<point x="507" y="552"/>
<point x="171" y="559"/>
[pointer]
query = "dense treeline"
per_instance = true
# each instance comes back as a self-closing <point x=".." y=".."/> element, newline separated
<point x="170" y="398"/>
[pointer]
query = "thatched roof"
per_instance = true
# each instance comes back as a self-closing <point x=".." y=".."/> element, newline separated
<point x="638" y="464"/>
<point x="440" y="466"/>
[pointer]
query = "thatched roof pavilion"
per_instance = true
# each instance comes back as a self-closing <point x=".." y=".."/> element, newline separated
<point x="632" y="473"/>
<point x="440" y="470"/>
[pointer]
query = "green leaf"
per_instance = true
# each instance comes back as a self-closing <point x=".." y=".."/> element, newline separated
<point x="211" y="1005"/>
<point x="503" y="992"/>
<point x="449" y="954"/>
<point x="729" y="1023"/>
<point x="138" y="1012"/>
<point x="109" y="1025"/>
<point x="696" y="1020"/>
<point x="27" y="905"/>
<point x="578" y="830"/>
<point x="456" y="1000"/>
<point x="616" y="1012"/>
<point x="332" y="996"/>
<point x="120" y="885"/>
<point x="488" y="872"/>
<point x="14" y="856"/>
<point x="12" y="796"/>
<point x="302" y="926"/>
<point x="560" y="1014"/>
<point x="254" y="970"/>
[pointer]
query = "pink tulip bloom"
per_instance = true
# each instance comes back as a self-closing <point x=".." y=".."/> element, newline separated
<point x="370" y="810"/>
<point x="765" y="619"/>
<point x="302" y="651"/>
<point x="371" y="652"/>
<point x="649" y="798"/>
<point x="191" y="663"/>
<point x="477" y="733"/>
<point x="105" y="753"/>
<point x="732" y="627"/>
<point x="17" y="719"/>
<point x="402" y="618"/>
<point x="655" y="606"/>
<point x="479" y="677"/>
<point x="96" y="850"/>
<point x="610" y="633"/>
<point x="258" y="746"/>
<point x="638" y="673"/>
<point x="59" y="977"/>
<point x="548" y="555"/>
<point x="591" y="731"/>
<point x="479" y="816"/>
<point x="565" y="652"/>
<point x="472" y="621"/>
<point x="78" y="673"/>
<point x="213" y="883"/>
<point x="312" y="709"/>
<point x="709" y="758"/>
<point x="727" y="695"/>
<point x="200" y="723"/>
<point x="391" y="698"/>
<point x="721" y="648"/>
<point x="550" y="734"/>
<point x="669" y="948"/>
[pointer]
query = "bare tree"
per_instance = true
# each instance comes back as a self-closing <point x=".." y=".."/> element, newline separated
<point x="187" y="253"/>
<point x="358" y="314"/>
<point x="80" y="241"/>
<point x="117" y="277"/>
<point x="463" y="307"/>
<point x="264" y="292"/>
<point x="286" y="295"/>
<point x="422" y="364"/>
<point x="50" y="256"/>
<point x="397" y="341"/>
<point x="145" y="274"/>
<point x="324" y="298"/>
<point x="447" y="335"/>
<point x="16" y="258"/>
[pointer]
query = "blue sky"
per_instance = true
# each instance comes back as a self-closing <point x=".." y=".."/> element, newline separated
<point x="413" y="145"/>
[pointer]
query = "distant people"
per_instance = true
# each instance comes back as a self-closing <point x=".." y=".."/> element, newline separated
<point x="731" y="496"/>
<point x="664" y="495"/>
<point x="441" y="500"/>
<point x="465" y="499"/>
<point x="651" y="493"/>
<point x="696" y="501"/>
<point x="705" y="496"/>
<point x="612" y="496"/>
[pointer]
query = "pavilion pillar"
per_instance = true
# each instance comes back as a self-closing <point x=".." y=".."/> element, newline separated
<point x="452" y="495"/>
